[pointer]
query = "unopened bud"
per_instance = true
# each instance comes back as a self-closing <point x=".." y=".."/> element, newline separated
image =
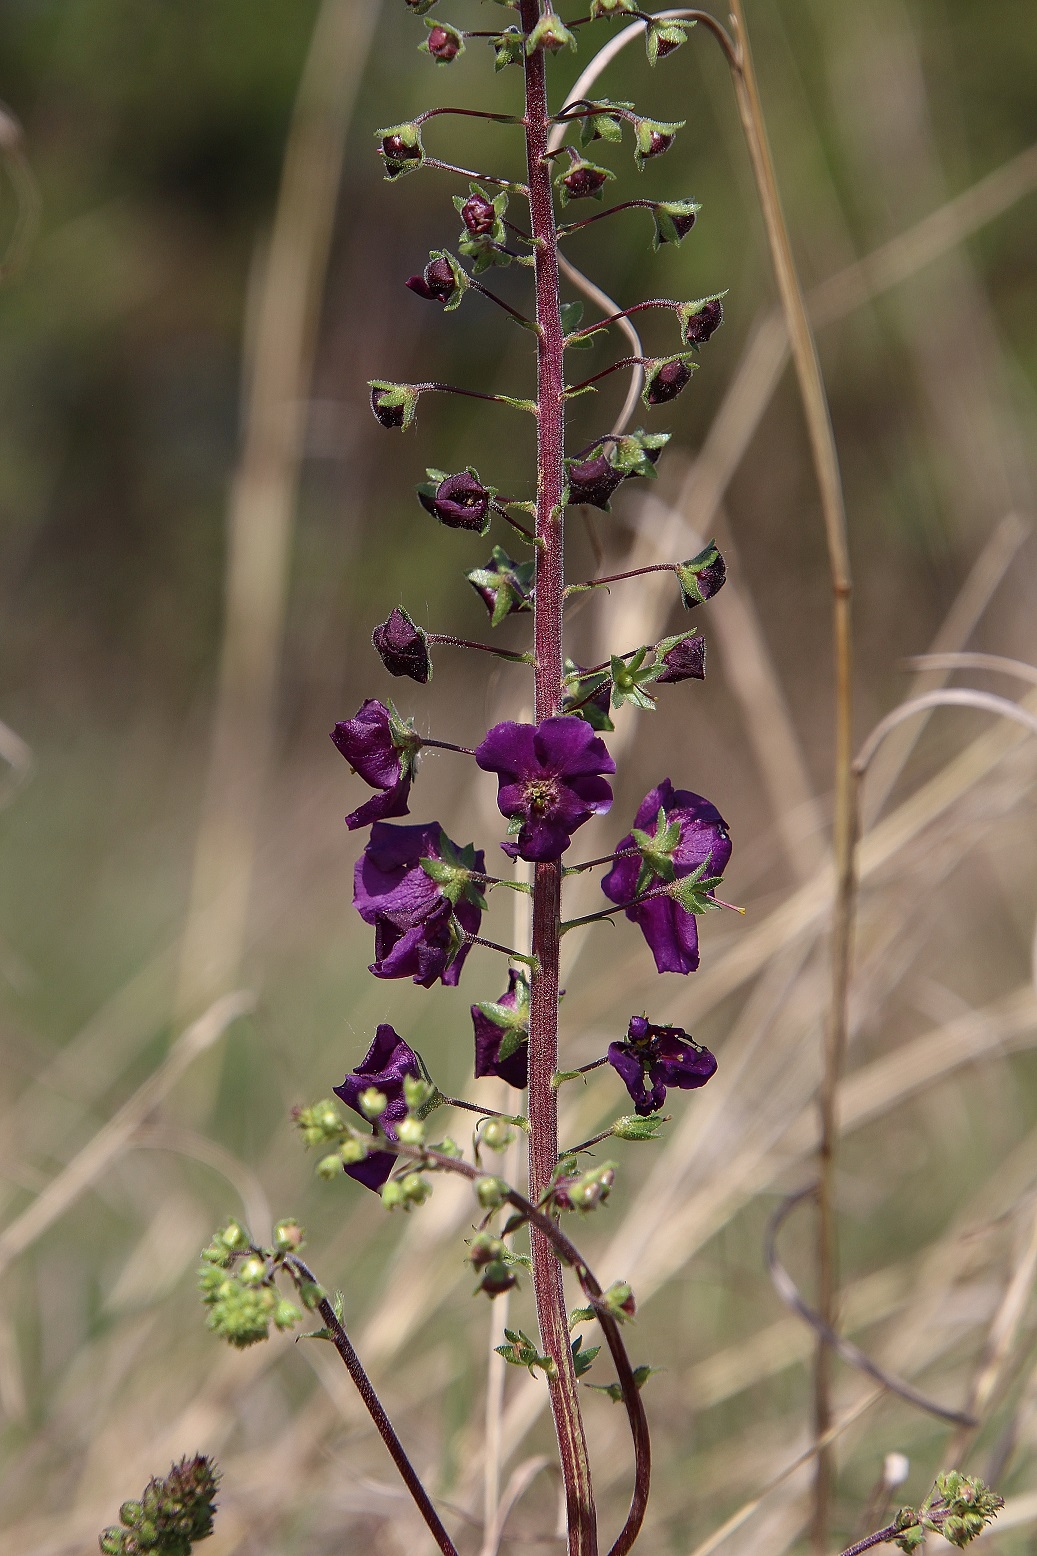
<point x="497" y="1278"/>
<point x="403" y="649"/>
<point x="666" y="380"/>
<point x="392" y="1194"/>
<point x="329" y="1167"/>
<point x="416" y="1189"/>
<point x="478" y="215"/>
<point x="491" y="1192"/>
<point x="702" y="323"/>
<point x="411" y="1131"/>
<point x="252" y="1272"/>
<point x="583" y="181"/>
<point x="372" y="1103"/>
<point x="111" y="1542"/>
<point x="484" y="1249"/>
<point x="131" y="1513"/>
<point x="288" y="1236"/>
<point x="444" y="43"/>
<point x="497" y="1135"/>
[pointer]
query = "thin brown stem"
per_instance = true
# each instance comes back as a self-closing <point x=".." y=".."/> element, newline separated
<point x="481" y="648"/>
<point x="826" y="467"/>
<point x="304" y="1276"/>
<point x="878" y="1538"/>
<point x="611" y="578"/>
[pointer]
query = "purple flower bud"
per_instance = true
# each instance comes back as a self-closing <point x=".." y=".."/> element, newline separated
<point x="685" y="661"/>
<point x="703" y="840"/>
<point x="665" y="1056"/>
<point x="550" y="781"/>
<point x="667" y="381"/>
<point x="658" y="142"/>
<point x="403" y="647"/>
<point x="702" y="577"/>
<point x="401" y="148"/>
<point x="705" y="322"/>
<point x="497" y="1278"/>
<point x="384" y="1066"/>
<point x="478" y="215"/>
<point x="437" y="282"/>
<point x="583" y="181"/>
<point x="594" y="480"/>
<point x="413" y="917"/>
<point x="666" y="46"/>
<point x="444" y="43"/>
<point x="389" y="415"/>
<point x="684" y="222"/>
<point x="460" y="502"/>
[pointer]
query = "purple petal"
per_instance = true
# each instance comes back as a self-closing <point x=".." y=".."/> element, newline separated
<point x="367" y="745"/>
<point x="631" y="1071"/>
<point x="568" y="746"/>
<point x="393" y="802"/>
<point x="508" y="749"/>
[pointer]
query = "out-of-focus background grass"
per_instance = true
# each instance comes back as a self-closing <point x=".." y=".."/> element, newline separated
<point x="179" y="835"/>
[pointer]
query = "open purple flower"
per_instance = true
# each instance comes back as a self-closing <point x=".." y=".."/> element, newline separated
<point x="665" y="1056"/>
<point x="417" y="918"/>
<point x="691" y="835"/>
<point x="384" y="1065"/>
<point x="549" y="781"/>
<point x="502" y="1033"/>
<point x="459" y="501"/>
<point x="383" y="751"/>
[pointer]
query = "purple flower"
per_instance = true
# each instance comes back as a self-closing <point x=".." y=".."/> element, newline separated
<point x="594" y="480"/>
<point x="666" y="1056"/>
<point x="549" y="780"/>
<point x="685" y="659"/>
<point x="459" y="501"/>
<point x="502" y="1028"/>
<point x="416" y="917"/>
<point x="403" y="647"/>
<point x="437" y="282"/>
<point x="382" y="750"/>
<point x="699" y="839"/>
<point x="384" y="1065"/>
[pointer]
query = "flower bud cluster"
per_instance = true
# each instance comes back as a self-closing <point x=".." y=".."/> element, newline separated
<point x="237" y="1284"/>
<point x="583" y="1191"/>
<point x="170" y="1515"/>
<point x="959" y="1507"/>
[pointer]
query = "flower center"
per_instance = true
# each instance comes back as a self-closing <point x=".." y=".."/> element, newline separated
<point x="541" y="794"/>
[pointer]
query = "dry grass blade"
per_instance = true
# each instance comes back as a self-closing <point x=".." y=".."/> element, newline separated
<point x="108" y="1144"/>
<point x="262" y="507"/>
<point x="26" y="192"/>
<point x="956" y="697"/>
<point x="996" y="663"/>
<point x="18" y="756"/>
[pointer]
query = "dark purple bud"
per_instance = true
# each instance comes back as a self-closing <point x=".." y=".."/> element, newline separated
<point x="478" y="215"/>
<point x="667" y="46"/>
<point x="444" y="44"/>
<point x="684" y="223"/>
<point x="497" y="1278"/>
<point x="403" y="647"/>
<point x="594" y="480"/>
<point x="437" y="281"/>
<point x="667" y="382"/>
<point x="685" y="661"/>
<point x="583" y="182"/>
<point x="661" y="1056"/>
<point x="704" y="323"/>
<point x="396" y="149"/>
<point x="459" y="502"/>
<point x="658" y="142"/>
<point x="388" y="415"/>
<point x="702" y="577"/>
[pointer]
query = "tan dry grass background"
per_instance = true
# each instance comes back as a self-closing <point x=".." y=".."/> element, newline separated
<point x="125" y="1143"/>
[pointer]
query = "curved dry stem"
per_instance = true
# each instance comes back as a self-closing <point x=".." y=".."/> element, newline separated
<point x="997" y="664"/>
<point x="954" y="697"/>
<point x="789" y="1293"/>
<point x="26" y="194"/>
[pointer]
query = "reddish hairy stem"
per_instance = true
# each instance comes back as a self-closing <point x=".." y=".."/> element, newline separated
<point x="547" y="881"/>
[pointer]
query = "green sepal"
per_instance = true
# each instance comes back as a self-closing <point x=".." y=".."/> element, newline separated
<point x="581" y="1315"/>
<point x="630" y="453"/>
<point x="510" y="582"/>
<point x="615" y="1390"/>
<point x="580" y="688"/>
<point x="509" y="48"/>
<point x="583" y="1360"/>
<point x="550" y="33"/>
<point x="421" y="7"/>
<point x="407" y="742"/>
<point x="665" y="212"/>
<point x="423" y="48"/>
<point x="421" y="1095"/>
<point x="571" y="315"/>
<point x="692" y="892"/>
<point x="455" y="872"/>
<point x="632" y="1127"/>
<point x="519" y="1351"/>
<point x="410" y="135"/>
<point x="483" y="250"/>
<point x="602" y="10"/>
<point x="688" y="575"/>
<point x="644" y="129"/>
<point x="392" y="395"/>
<point x="581" y="163"/>
<point x="630" y="676"/>
<point x="656" y="852"/>
<point x="663" y="33"/>
<point x="606" y="125"/>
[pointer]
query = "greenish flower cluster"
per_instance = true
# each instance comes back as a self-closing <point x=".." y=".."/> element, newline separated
<point x="238" y="1284"/>
<point x="171" y="1515"/>
<point x="959" y="1507"/>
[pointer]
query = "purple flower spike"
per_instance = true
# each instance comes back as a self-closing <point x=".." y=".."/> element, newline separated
<point x="549" y="781"/>
<point x="384" y="1065"/>
<point x="502" y="1033"/>
<point x="416" y="918"/>
<point x="671" y="932"/>
<point x="403" y="647"/>
<point x="382" y="750"/>
<point x="665" y="1056"/>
